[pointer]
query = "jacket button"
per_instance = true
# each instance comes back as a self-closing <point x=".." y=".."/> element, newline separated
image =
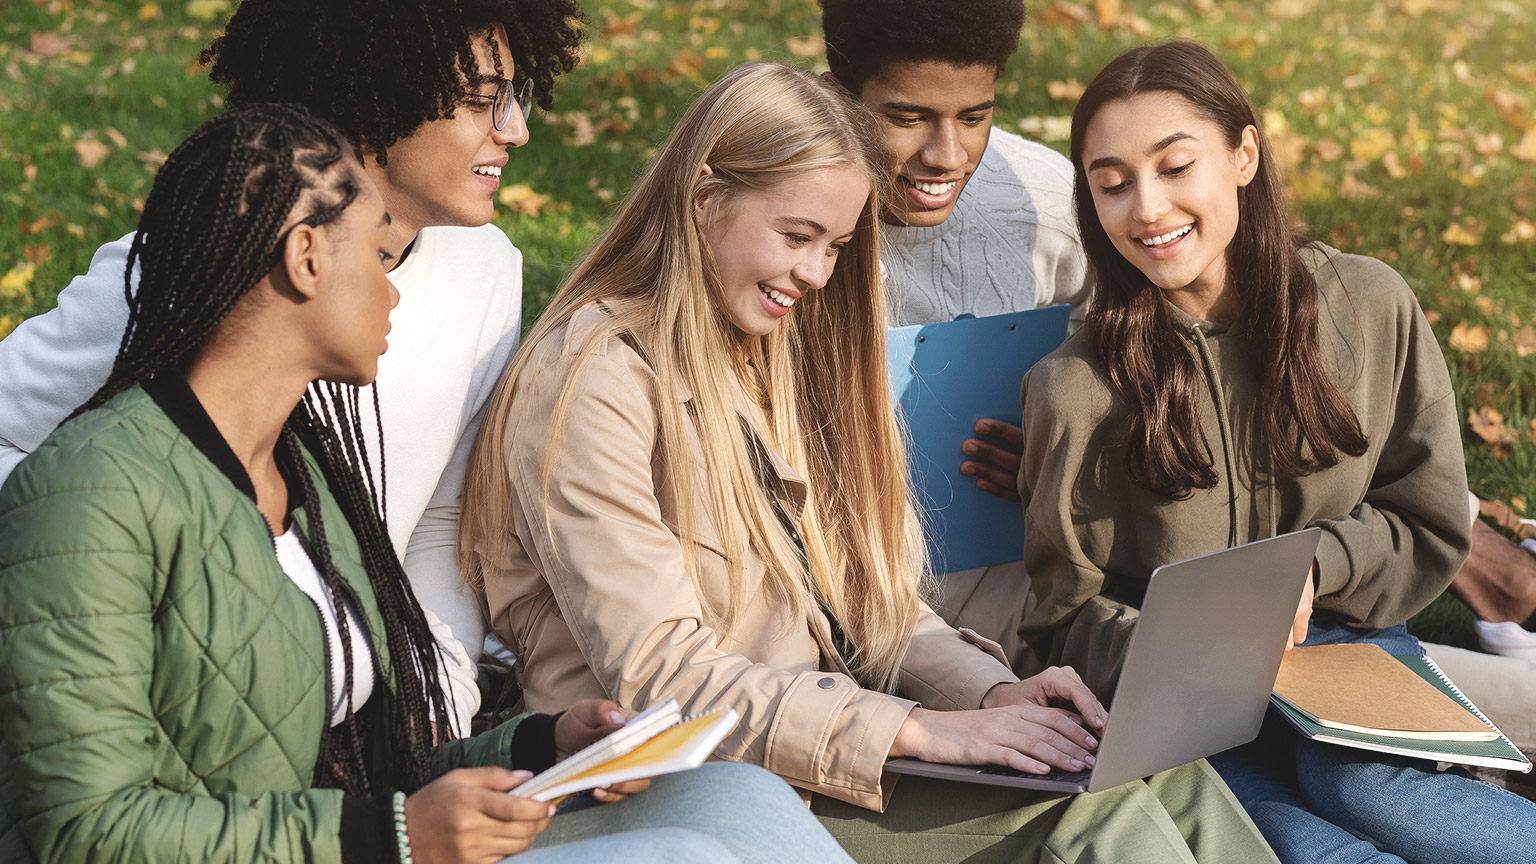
<point x="827" y="683"/>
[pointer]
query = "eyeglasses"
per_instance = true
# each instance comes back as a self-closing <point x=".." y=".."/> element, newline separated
<point x="503" y="100"/>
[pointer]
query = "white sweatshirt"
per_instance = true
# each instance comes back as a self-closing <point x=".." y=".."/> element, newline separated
<point x="453" y="333"/>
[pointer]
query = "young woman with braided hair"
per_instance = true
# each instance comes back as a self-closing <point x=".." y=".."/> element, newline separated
<point x="434" y="93"/>
<point x="208" y="649"/>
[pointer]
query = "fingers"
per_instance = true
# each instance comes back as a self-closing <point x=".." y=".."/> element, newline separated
<point x="503" y="807"/>
<point x="1042" y="737"/>
<point x="1008" y="433"/>
<point x="489" y="777"/>
<point x="620" y="791"/>
<point x="991" y="480"/>
<point x="1006" y="461"/>
<point x="1063" y="683"/>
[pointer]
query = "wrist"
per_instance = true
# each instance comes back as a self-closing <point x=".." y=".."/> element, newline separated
<point x="908" y="736"/>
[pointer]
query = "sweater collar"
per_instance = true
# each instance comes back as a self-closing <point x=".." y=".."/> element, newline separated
<point x="171" y="392"/>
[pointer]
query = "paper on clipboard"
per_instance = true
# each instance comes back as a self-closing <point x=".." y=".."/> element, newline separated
<point x="945" y="377"/>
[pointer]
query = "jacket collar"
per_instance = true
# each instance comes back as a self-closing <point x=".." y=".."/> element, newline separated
<point x="174" y="396"/>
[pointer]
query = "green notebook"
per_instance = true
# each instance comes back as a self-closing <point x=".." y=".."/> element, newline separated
<point x="1498" y="753"/>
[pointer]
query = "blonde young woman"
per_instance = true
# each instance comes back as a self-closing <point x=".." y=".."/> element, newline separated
<point x="691" y="483"/>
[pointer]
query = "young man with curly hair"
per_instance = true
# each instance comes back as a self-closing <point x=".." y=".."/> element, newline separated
<point x="981" y="223"/>
<point x="435" y="94"/>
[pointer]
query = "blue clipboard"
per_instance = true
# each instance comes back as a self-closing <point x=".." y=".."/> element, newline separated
<point x="945" y="377"/>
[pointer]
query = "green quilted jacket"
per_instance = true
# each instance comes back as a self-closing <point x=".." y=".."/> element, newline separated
<point x="162" y="681"/>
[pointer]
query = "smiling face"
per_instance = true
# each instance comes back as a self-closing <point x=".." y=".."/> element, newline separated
<point x="446" y="172"/>
<point x="1164" y="181"/>
<point x="772" y="247"/>
<point x="936" y="117"/>
<point x="355" y="297"/>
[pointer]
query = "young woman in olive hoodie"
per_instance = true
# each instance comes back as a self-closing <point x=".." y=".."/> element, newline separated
<point x="1231" y="383"/>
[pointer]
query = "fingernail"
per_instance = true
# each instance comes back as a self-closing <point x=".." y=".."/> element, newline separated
<point x="616" y="718"/>
<point x="968" y="447"/>
<point x="1077" y="764"/>
<point x="522" y="774"/>
<point x="551" y="811"/>
<point x="1092" y="742"/>
<point x="1089" y="759"/>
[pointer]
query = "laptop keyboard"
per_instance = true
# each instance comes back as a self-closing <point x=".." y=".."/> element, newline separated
<point x="1064" y="776"/>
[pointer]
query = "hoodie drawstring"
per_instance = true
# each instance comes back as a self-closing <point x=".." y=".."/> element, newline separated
<point x="1226" y="434"/>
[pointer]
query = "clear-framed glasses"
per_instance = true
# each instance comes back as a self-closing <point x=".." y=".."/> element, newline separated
<point x="503" y="100"/>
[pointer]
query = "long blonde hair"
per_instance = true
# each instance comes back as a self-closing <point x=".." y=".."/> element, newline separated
<point x="820" y="376"/>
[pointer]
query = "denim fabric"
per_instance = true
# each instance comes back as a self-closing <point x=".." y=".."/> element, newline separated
<point x="719" y="812"/>
<point x="1326" y="804"/>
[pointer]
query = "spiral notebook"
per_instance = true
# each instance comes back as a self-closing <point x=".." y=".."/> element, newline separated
<point x="657" y="741"/>
<point x="1494" y="751"/>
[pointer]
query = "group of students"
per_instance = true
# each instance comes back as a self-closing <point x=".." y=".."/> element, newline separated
<point x="217" y="643"/>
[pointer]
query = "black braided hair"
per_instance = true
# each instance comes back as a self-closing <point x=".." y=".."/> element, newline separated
<point x="212" y="228"/>
<point x="378" y="69"/>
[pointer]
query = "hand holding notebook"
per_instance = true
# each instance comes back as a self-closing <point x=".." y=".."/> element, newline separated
<point x="654" y="742"/>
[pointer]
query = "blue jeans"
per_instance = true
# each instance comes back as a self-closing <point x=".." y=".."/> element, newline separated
<point x="1325" y="804"/>
<point x="718" y="813"/>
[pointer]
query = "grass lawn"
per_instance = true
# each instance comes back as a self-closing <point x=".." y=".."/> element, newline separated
<point x="1405" y="127"/>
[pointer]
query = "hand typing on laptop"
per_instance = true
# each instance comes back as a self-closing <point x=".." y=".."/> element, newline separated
<point x="1016" y="726"/>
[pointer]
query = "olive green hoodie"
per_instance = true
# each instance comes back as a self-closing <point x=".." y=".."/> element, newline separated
<point x="1394" y="520"/>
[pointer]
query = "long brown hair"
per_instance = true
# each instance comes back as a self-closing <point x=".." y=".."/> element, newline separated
<point x="1305" y="419"/>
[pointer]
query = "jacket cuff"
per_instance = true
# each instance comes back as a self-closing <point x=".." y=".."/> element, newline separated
<point x="1332" y="565"/>
<point x="533" y="742"/>
<point x="855" y="730"/>
<point x="367" y="830"/>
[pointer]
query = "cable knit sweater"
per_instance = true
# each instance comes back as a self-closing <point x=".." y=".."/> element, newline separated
<point x="1010" y="243"/>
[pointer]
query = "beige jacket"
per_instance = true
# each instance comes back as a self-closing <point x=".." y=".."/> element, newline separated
<point x="605" y="607"/>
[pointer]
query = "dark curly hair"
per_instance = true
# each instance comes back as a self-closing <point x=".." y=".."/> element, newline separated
<point x="378" y="69"/>
<point x="863" y="36"/>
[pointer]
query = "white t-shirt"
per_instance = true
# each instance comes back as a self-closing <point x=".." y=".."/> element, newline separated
<point x="296" y="562"/>
<point x="454" y="331"/>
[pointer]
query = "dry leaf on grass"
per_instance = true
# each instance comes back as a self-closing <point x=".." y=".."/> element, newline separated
<point x="91" y="152"/>
<point x="1488" y="424"/>
<point x="13" y="285"/>
<point x="1469" y="339"/>
<point x="1458" y="234"/>
<point x="48" y="44"/>
<point x="522" y="199"/>
<point x="1069" y="90"/>
<point x="806" y="46"/>
<point x="1524" y="341"/>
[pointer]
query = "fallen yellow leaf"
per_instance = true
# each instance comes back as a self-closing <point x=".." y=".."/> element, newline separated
<point x="207" y="10"/>
<point x="1373" y="145"/>
<point x="522" y="199"/>
<point x="1485" y="305"/>
<point x="91" y="152"/>
<point x="1461" y="235"/>
<point x="805" y="46"/>
<point x="1514" y="109"/>
<point x="7" y="324"/>
<point x="1523" y="231"/>
<point x="1468" y="283"/>
<point x="149" y="11"/>
<point x="1107" y="12"/>
<point x="13" y="285"/>
<point x="1526" y="149"/>
<point x="1524" y="341"/>
<point x="1432" y="316"/>
<point x="48" y="44"/>
<point x="1488" y="424"/>
<point x="1469" y="339"/>
<point x="1069" y="90"/>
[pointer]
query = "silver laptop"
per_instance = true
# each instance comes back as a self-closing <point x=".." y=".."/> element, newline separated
<point x="1198" y="672"/>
